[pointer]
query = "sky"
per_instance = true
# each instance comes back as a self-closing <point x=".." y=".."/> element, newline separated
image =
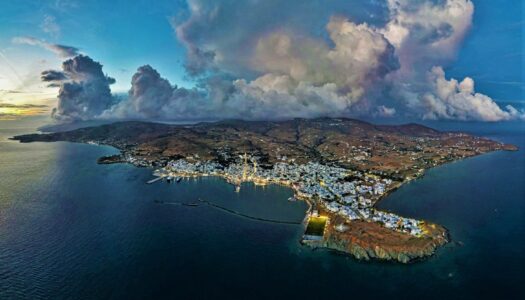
<point x="253" y="59"/>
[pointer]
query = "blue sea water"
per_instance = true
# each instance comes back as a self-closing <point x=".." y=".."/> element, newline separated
<point x="73" y="229"/>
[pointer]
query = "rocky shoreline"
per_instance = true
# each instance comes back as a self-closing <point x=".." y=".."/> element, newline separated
<point x="366" y="254"/>
<point x="366" y="250"/>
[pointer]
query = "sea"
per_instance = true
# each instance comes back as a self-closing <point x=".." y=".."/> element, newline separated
<point x="73" y="229"/>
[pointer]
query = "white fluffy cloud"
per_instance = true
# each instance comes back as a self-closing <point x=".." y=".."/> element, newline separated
<point x="385" y="112"/>
<point x="450" y="99"/>
<point x="427" y="34"/>
<point x="380" y="70"/>
<point x="360" y="56"/>
<point x="267" y="97"/>
<point x="300" y="78"/>
<point x="274" y="60"/>
<point x="221" y="34"/>
<point x="307" y="77"/>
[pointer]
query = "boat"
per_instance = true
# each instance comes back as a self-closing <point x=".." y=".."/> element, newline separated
<point x="179" y="179"/>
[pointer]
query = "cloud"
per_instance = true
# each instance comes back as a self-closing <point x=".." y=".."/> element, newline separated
<point x="50" y="26"/>
<point x="221" y="35"/>
<point x="8" y="116"/>
<point x="426" y="35"/>
<point x="154" y="97"/>
<point x="450" y="99"/>
<point x="84" y="91"/>
<point x="385" y="112"/>
<point x="276" y="60"/>
<point x="10" y="91"/>
<point x="60" y="50"/>
<point x="359" y="56"/>
<point x="427" y="32"/>
<point x="52" y="76"/>
<point x="283" y="68"/>
<point x="12" y="111"/>
<point x="299" y="77"/>
<point x="65" y="5"/>
<point x="27" y="105"/>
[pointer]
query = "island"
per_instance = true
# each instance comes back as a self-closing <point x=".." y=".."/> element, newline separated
<point x="342" y="167"/>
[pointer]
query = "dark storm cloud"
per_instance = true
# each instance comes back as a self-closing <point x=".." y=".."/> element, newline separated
<point x="52" y="75"/>
<point x="154" y="97"/>
<point x="149" y="92"/>
<point x="84" y="89"/>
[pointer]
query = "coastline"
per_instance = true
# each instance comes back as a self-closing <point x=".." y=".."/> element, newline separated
<point x="379" y="242"/>
<point x="358" y="249"/>
<point x="459" y="195"/>
<point x="325" y="184"/>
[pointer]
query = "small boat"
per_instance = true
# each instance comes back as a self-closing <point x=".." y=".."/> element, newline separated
<point x="179" y="179"/>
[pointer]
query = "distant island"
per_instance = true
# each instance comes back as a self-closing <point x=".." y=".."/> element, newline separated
<point x="341" y="167"/>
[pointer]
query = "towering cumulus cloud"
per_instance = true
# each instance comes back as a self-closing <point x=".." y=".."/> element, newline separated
<point x="153" y="97"/>
<point x="273" y="60"/>
<point x="84" y="89"/>
<point x="450" y="99"/>
<point x="309" y="77"/>
<point x="426" y="35"/>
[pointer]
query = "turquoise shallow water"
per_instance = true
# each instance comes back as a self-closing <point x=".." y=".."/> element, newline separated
<point x="72" y="229"/>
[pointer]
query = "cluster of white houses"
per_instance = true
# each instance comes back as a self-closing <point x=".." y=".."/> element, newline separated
<point x="350" y="194"/>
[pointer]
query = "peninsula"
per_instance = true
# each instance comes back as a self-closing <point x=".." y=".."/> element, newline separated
<point x="342" y="167"/>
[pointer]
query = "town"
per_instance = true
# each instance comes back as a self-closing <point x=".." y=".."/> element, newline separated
<point x="351" y="194"/>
